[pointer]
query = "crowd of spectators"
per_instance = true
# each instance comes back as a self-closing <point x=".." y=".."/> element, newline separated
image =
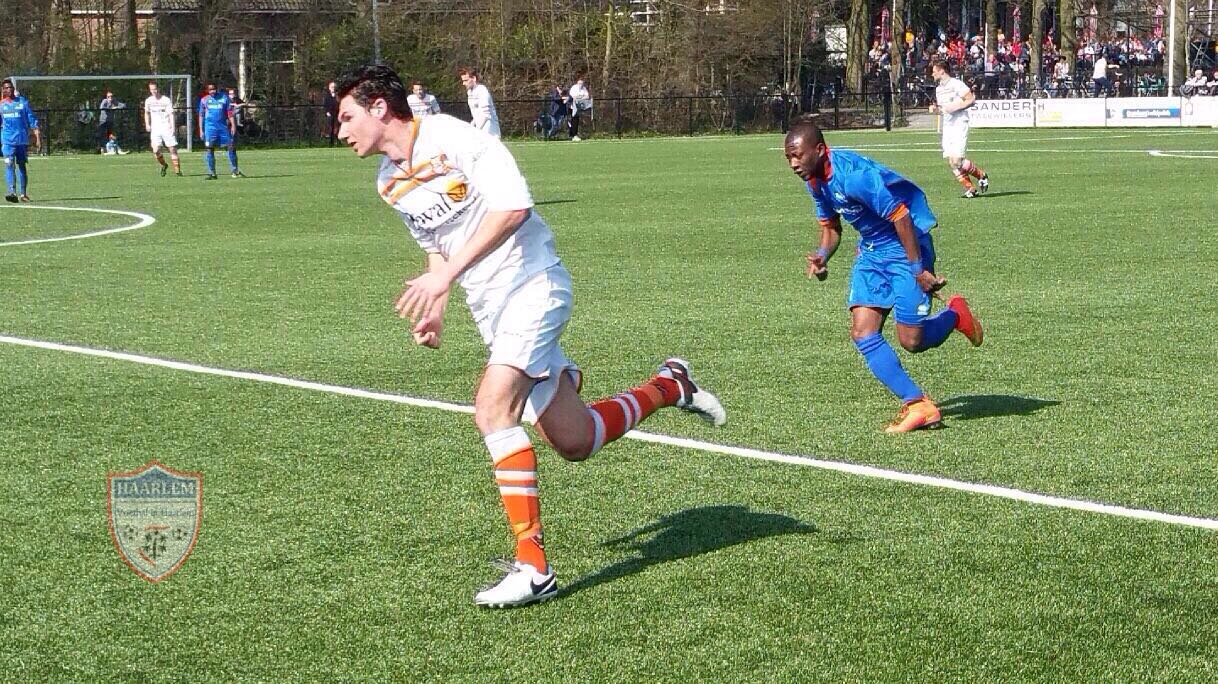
<point x="1108" y="65"/>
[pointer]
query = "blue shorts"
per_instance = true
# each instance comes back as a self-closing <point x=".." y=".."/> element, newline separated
<point x="19" y="153"/>
<point x="217" y="137"/>
<point x="884" y="280"/>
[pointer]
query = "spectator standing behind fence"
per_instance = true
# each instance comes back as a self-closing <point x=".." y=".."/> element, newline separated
<point x="329" y="104"/>
<point x="481" y="106"/>
<point x="581" y="101"/>
<point x="1099" y="75"/>
<point x="422" y="103"/>
<point x="238" y="105"/>
<point x="105" y="119"/>
<point x="558" y="108"/>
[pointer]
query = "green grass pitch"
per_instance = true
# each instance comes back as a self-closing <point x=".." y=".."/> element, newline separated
<point x="343" y="538"/>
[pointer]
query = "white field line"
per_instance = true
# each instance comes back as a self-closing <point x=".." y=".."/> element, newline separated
<point x="144" y="221"/>
<point x="1161" y="153"/>
<point x="743" y="452"/>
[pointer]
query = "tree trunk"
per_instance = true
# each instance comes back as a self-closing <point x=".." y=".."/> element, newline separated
<point x="608" y="52"/>
<point x="858" y="28"/>
<point x="1037" y="39"/>
<point x="898" y="44"/>
<point x="1179" y="70"/>
<point x="126" y="34"/>
<point x="1066" y="35"/>
<point x="991" y="27"/>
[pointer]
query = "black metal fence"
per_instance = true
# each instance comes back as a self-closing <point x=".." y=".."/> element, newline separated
<point x="82" y="130"/>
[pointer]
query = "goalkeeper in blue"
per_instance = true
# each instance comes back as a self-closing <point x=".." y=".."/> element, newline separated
<point x="217" y="127"/>
<point x="894" y="271"/>
<point x="17" y="121"/>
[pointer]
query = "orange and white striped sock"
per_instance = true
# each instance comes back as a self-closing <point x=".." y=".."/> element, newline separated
<point x="971" y="169"/>
<point x="962" y="178"/>
<point x="615" y="416"/>
<point x="516" y="472"/>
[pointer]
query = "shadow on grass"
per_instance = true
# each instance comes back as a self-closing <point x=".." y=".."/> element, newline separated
<point x="688" y="533"/>
<point x="973" y="406"/>
<point x="1008" y="193"/>
<point x="561" y="201"/>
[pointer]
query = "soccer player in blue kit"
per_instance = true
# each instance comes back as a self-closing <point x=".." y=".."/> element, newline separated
<point x="17" y="121"/>
<point x="217" y="127"/>
<point x="894" y="270"/>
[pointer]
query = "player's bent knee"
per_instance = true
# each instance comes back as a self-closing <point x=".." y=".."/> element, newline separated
<point x="910" y="338"/>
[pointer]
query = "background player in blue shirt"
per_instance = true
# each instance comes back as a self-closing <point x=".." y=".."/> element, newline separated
<point x="17" y="120"/>
<point x="217" y="127"/>
<point x="894" y="270"/>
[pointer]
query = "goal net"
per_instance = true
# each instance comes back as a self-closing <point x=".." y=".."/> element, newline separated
<point x="71" y="118"/>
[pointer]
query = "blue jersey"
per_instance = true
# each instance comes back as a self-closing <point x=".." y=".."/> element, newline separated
<point x="214" y="110"/>
<point x="18" y="118"/>
<point x="870" y="196"/>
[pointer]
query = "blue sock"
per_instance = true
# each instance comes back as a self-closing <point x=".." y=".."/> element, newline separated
<point x="210" y="156"/>
<point x="232" y="158"/>
<point x="23" y="177"/>
<point x="886" y="367"/>
<point x="8" y="176"/>
<point x="936" y="329"/>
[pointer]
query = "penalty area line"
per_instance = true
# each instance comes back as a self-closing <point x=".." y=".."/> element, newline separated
<point x="680" y="442"/>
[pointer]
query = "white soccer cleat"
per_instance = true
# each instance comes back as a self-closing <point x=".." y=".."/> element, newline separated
<point x="693" y="398"/>
<point x="983" y="184"/>
<point x="521" y="585"/>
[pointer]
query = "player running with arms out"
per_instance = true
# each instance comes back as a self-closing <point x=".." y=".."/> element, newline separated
<point x="464" y="201"/>
<point x="17" y="121"/>
<point x="953" y="99"/>
<point x="159" y="123"/>
<point x="895" y="267"/>
<point x="217" y="126"/>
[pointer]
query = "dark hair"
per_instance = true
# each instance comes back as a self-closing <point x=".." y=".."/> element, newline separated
<point x="806" y="127"/>
<point x="944" y="65"/>
<point x="368" y="83"/>
<point x="416" y="83"/>
<point x="468" y="71"/>
<point x="8" y="82"/>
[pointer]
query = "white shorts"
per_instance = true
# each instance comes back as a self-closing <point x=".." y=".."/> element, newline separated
<point x="955" y="141"/>
<point x="163" y="139"/>
<point x="492" y="126"/>
<point x="524" y="334"/>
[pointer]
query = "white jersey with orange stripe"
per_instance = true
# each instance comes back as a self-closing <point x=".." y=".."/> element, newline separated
<point x="453" y="175"/>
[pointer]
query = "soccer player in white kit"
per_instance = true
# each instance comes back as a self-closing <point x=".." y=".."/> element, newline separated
<point x="422" y="103"/>
<point x="464" y="201"/>
<point x="481" y="106"/>
<point x="952" y="99"/>
<point x="159" y="123"/>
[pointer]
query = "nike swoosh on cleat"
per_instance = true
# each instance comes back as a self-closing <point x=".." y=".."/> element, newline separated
<point x="544" y="586"/>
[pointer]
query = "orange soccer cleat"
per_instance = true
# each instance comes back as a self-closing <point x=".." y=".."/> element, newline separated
<point x="966" y="323"/>
<point x="916" y="415"/>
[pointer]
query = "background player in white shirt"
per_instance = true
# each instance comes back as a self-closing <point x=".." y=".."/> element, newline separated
<point x="952" y="99"/>
<point x="464" y="201"/>
<point x="159" y="123"/>
<point x="422" y="103"/>
<point x="481" y="106"/>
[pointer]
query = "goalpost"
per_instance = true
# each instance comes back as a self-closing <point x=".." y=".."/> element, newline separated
<point x="185" y="96"/>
